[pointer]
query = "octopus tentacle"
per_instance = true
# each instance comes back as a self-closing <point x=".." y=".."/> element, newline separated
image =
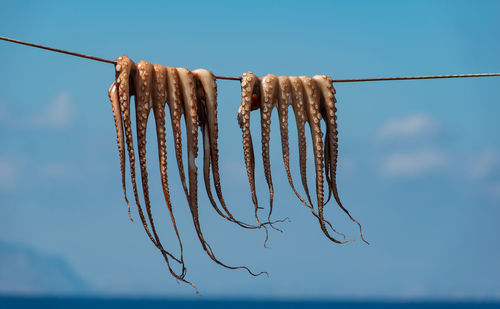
<point x="250" y="100"/>
<point x="293" y="86"/>
<point x="285" y="97"/>
<point x="159" y="102"/>
<point x="328" y="93"/>
<point x="327" y="153"/>
<point x="125" y="68"/>
<point x="188" y="90"/>
<point x="120" y="138"/>
<point x="174" y="101"/>
<point x="207" y="111"/>
<point x="300" y="119"/>
<point x="143" y="83"/>
<point x="249" y="94"/>
<point x="269" y="96"/>
<point x="312" y="106"/>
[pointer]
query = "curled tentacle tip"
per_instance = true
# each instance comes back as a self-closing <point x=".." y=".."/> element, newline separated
<point x="277" y="229"/>
<point x="195" y="289"/>
<point x="279" y="221"/>
<point x="265" y="244"/>
<point x="267" y="235"/>
<point x="263" y="273"/>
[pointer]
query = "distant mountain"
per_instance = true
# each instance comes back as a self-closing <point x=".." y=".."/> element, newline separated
<point x="24" y="270"/>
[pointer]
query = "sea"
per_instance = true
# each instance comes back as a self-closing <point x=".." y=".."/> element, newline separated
<point x="125" y="303"/>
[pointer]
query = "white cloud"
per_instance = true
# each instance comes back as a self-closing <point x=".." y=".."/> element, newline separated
<point x="58" y="114"/>
<point x="55" y="171"/>
<point x="486" y="163"/>
<point x="412" y="164"/>
<point x="412" y="126"/>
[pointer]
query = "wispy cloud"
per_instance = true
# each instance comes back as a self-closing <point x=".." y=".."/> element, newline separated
<point x="485" y="164"/>
<point x="17" y="172"/>
<point x="411" y="126"/>
<point x="56" y="171"/>
<point x="413" y="164"/>
<point x="58" y="114"/>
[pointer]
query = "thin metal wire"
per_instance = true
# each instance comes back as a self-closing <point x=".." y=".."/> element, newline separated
<point x="413" y="77"/>
<point x="57" y="50"/>
<point x="348" y="80"/>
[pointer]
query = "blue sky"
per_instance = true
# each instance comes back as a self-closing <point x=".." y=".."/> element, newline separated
<point x="419" y="162"/>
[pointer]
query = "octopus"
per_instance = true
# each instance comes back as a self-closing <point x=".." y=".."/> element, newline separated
<point x="313" y="101"/>
<point x="189" y="94"/>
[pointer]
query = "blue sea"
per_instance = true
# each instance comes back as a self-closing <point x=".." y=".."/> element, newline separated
<point x="124" y="303"/>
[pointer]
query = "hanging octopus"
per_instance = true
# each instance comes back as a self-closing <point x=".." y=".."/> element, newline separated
<point x="312" y="101"/>
<point x="188" y="94"/>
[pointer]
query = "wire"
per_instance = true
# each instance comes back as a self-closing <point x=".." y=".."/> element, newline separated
<point x="349" y="80"/>
<point x="57" y="50"/>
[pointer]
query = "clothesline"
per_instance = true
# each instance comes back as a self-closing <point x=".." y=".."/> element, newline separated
<point x="348" y="80"/>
